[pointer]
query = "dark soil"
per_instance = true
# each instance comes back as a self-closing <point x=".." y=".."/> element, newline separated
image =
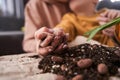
<point x="92" y="62"/>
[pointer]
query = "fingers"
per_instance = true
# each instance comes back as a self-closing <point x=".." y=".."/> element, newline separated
<point x="43" y="37"/>
<point x="111" y="14"/>
<point x="47" y="40"/>
<point x="102" y="20"/>
<point x="42" y="32"/>
<point x="45" y="51"/>
<point x="106" y="17"/>
<point x="42" y="47"/>
<point x="109" y="31"/>
<point x="58" y="31"/>
<point x="50" y="40"/>
<point x="57" y="40"/>
<point x="59" y="37"/>
<point x="40" y="36"/>
<point x="66" y="37"/>
<point x="61" y="47"/>
<point x="104" y="14"/>
<point x="107" y="13"/>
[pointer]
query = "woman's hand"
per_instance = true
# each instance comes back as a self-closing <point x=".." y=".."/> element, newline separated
<point x="49" y="40"/>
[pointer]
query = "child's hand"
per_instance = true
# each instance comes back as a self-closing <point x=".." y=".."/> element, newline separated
<point x="107" y="16"/>
<point x="109" y="31"/>
<point x="48" y="40"/>
<point x="60" y="39"/>
<point x="43" y="37"/>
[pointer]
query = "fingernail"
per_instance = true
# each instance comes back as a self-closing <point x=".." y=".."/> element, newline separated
<point x="65" y="46"/>
<point x="49" y="50"/>
<point x="56" y="37"/>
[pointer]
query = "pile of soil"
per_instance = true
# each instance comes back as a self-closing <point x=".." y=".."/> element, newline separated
<point x="83" y="62"/>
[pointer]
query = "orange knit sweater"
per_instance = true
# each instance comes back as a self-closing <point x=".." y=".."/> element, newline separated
<point x="78" y="25"/>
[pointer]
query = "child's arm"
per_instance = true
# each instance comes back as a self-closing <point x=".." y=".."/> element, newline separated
<point x="113" y="34"/>
<point x="67" y="26"/>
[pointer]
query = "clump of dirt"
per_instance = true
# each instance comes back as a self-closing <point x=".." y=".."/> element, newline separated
<point x="83" y="62"/>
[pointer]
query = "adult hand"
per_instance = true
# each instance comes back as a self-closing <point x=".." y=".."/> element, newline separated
<point x="49" y="40"/>
<point x="43" y="37"/>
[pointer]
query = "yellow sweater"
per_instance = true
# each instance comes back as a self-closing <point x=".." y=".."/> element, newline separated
<point x="78" y="25"/>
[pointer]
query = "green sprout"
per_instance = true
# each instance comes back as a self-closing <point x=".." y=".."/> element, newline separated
<point x="94" y="31"/>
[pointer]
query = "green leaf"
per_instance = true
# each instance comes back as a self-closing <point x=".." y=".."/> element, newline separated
<point x="88" y="33"/>
<point x="94" y="31"/>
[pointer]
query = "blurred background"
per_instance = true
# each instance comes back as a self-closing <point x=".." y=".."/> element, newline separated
<point x="12" y="22"/>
